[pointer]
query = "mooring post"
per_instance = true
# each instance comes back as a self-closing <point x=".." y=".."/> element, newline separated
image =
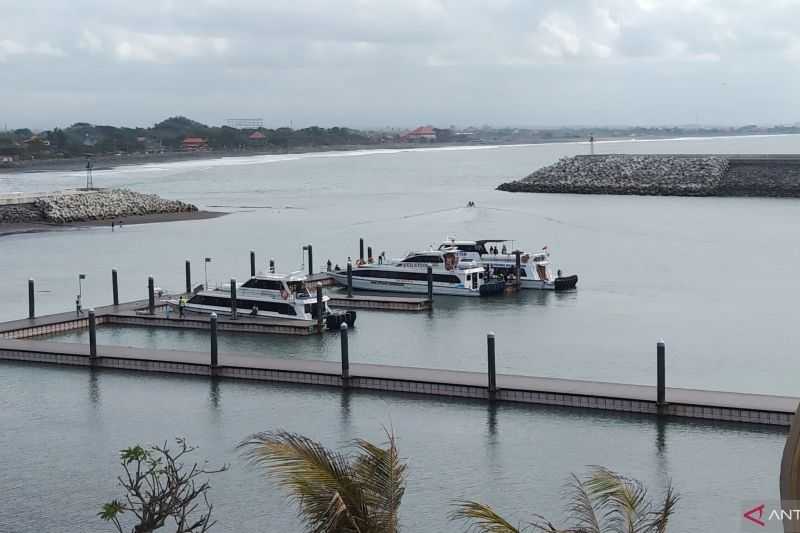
<point x="349" y="279"/>
<point x="92" y="336"/>
<point x="491" y="365"/>
<point x="31" y="302"/>
<point x="430" y="284"/>
<point x="234" y="303"/>
<point x="271" y="266"/>
<point x="214" y="354"/>
<point x="518" y="268"/>
<point x="151" y="295"/>
<point x="115" y="286"/>
<point x="660" y="377"/>
<point x="369" y="254"/>
<point x="189" y="277"/>
<point x="319" y="309"/>
<point x="345" y="355"/>
<point x="310" y="260"/>
<point x="252" y="263"/>
<point x="361" y="248"/>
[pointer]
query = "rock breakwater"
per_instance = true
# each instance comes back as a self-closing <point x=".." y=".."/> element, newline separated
<point x="667" y="175"/>
<point x="84" y="206"/>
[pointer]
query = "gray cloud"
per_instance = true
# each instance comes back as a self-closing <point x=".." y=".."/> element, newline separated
<point x="379" y="62"/>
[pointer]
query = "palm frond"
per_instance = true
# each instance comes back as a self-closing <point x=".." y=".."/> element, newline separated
<point x="481" y="518"/>
<point x="581" y="507"/>
<point x="321" y="482"/>
<point x="660" y="518"/>
<point x="382" y="476"/>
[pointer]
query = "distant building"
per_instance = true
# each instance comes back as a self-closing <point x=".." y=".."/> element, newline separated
<point x="194" y="144"/>
<point x="423" y="133"/>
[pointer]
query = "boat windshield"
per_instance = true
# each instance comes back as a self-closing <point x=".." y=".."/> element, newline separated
<point x="298" y="288"/>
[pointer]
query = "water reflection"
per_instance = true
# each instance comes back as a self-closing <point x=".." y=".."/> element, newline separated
<point x="94" y="387"/>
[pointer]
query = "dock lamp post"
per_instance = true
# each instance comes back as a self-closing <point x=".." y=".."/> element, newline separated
<point x="205" y="269"/>
<point x="81" y="277"/>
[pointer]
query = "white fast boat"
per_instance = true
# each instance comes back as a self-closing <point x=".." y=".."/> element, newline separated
<point x="535" y="272"/>
<point x="451" y="276"/>
<point x="269" y="295"/>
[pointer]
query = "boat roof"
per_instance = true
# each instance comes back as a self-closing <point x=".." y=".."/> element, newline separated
<point x="480" y="241"/>
<point x="297" y="275"/>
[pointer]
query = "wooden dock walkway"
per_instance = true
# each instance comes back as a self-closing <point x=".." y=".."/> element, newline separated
<point x="380" y="302"/>
<point x="691" y="403"/>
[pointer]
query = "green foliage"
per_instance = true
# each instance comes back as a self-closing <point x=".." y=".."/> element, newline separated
<point x="335" y="492"/>
<point x="161" y="488"/>
<point x="602" y="502"/>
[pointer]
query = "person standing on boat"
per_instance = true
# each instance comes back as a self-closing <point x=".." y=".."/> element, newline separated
<point x="181" y="305"/>
<point x="505" y="250"/>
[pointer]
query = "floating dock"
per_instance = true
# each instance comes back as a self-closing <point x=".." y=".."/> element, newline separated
<point x="18" y="343"/>
<point x="380" y="303"/>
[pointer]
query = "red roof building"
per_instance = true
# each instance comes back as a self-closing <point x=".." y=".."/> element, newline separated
<point x="194" y="144"/>
<point x="423" y="133"/>
<point x="256" y="136"/>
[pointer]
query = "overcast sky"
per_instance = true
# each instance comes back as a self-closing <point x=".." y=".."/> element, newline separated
<point x="375" y="63"/>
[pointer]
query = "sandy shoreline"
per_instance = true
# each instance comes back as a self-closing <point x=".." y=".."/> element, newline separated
<point x="7" y="229"/>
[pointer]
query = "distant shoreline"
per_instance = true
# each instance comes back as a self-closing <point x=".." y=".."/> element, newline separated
<point x="107" y="162"/>
<point x="18" y="228"/>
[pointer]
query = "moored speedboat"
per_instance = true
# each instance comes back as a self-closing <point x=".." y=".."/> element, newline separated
<point x="269" y="295"/>
<point x="451" y="275"/>
<point x="535" y="272"/>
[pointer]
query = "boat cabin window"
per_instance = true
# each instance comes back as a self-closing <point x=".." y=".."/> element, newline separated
<point x="219" y="301"/>
<point x="423" y="259"/>
<point x="408" y="276"/>
<point x="461" y="247"/>
<point x="267" y="284"/>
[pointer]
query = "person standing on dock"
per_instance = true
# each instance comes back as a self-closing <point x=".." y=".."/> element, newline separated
<point x="78" y="310"/>
<point x="181" y="305"/>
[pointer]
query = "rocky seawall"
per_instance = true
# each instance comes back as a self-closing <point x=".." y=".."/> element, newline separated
<point x="666" y="175"/>
<point x="85" y="206"/>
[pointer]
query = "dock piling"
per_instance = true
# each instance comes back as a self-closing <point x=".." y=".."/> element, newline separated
<point x="252" y="263"/>
<point x="492" y="369"/>
<point x="361" y="249"/>
<point x="349" y="279"/>
<point x="234" y="303"/>
<point x="345" y="355"/>
<point x="319" y="309"/>
<point x="660" y="375"/>
<point x="517" y="280"/>
<point x="115" y="286"/>
<point x="151" y="296"/>
<point x="271" y="266"/>
<point x="430" y="284"/>
<point x="369" y="254"/>
<point x="310" y="259"/>
<point x="92" y="336"/>
<point x="214" y="351"/>
<point x="31" y="302"/>
<point x="189" y="277"/>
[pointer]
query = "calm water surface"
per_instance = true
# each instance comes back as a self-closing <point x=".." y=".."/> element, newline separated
<point x="60" y="436"/>
<point x="714" y="277"/>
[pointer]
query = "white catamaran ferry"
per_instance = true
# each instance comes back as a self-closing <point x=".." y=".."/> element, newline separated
<point x="410" y="274"/>
<point x="269" y="295"/>
<point x="535" y="270"/>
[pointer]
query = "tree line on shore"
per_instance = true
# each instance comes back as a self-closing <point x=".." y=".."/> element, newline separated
<point x="355" y="490"/>
<point x="168" y="135"/>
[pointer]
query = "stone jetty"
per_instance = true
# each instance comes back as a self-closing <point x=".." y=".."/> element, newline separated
<point x="667" y="175"/>
<point x="84" y="206"/>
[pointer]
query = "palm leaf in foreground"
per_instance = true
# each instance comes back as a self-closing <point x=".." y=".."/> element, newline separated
<point x="335" y="493"/>
<point x="603" y="502"/>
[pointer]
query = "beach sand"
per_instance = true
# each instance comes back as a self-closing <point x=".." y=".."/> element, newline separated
<point x="37" y="227"/>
